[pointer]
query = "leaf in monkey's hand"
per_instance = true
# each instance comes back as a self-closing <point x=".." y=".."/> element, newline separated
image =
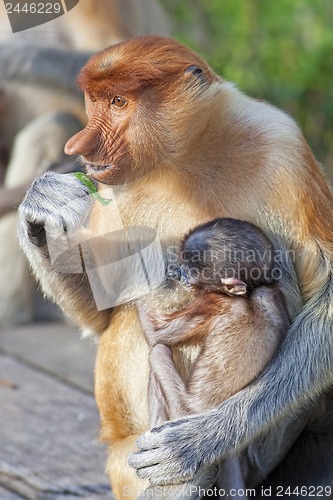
<point x="91" y="188"/>
<point x="86" y="181"/>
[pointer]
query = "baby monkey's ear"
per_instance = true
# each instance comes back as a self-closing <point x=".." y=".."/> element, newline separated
<point x="233" y="286"/>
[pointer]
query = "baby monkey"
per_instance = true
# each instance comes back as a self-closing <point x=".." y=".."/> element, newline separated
<point x="237" y="318"/>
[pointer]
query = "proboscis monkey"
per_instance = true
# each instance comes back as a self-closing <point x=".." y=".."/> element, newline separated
<point x="183" y="147"/>
<point x="237" y="317"/>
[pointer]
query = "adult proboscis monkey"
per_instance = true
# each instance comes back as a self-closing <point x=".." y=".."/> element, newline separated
<point x="182" y="146"/>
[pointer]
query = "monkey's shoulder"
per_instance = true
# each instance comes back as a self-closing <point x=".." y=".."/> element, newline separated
<point x="226" y="305"/>
<point x="268" y="303"/>
<point x="263" y="301"/>
<point x="267" y="295"/>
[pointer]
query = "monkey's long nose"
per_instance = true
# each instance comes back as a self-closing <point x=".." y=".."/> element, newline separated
<point x="83" y="143"/>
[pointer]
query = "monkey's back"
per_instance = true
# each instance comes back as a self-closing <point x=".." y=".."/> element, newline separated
<point x="241" y="341"/>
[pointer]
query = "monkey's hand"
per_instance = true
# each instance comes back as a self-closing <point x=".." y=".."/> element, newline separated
<point x="52" y="233"/>
<point x="176" y="451"/>
<point x="168" y="329"/>
<point x="55" y="205"/>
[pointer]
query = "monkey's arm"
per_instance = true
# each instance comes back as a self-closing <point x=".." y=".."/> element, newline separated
<point x="170" y="382"/>
<point x="184" y="326"/>
<point x="42" y="66"/>
<point x="173" y="394"/>
<point x="55" y="207"/>
<point x="166" y="394"/>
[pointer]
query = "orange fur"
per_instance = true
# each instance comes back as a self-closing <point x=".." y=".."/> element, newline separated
<point x="106" y="74"/>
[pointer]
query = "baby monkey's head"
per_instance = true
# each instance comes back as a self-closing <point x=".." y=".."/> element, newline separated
<point x="227" y="255"/>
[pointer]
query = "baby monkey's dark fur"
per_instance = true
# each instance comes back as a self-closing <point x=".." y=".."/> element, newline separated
<point x="228" y="248"/>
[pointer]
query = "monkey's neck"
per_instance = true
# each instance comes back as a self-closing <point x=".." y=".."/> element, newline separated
<point x="166" y="200"/>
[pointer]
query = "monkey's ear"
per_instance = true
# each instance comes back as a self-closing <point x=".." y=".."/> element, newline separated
<point x="196" y="72"/>
<point x="233" y="286"/>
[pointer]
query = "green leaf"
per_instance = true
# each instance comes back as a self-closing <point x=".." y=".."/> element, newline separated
<point x="91" y="188"/>
<point x="104" y="201"/>
<point x="86" y="181"/>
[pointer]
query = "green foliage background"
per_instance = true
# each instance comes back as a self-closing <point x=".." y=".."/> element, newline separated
<point x="279" y="50"/>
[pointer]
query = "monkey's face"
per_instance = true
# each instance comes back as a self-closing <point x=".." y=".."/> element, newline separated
<point x="103" y="144"/>
<point x="138" y="96"/>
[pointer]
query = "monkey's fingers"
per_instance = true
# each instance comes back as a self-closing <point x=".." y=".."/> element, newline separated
<point x="169" y="478"/>
<point x="170" y="475"/>
<point x="167" y="454"/>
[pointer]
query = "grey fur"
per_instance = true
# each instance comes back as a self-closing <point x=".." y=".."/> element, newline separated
<point x="61" y="204"/>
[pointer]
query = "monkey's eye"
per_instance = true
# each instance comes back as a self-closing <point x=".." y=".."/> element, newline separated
<point x="119" y="102"/>
<point x="92" y="98"/>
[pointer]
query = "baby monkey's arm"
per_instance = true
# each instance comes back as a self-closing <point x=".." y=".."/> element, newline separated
<point x="188" y="325"/>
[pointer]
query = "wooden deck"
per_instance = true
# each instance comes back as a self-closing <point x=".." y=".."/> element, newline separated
<point x="48" y="418"/>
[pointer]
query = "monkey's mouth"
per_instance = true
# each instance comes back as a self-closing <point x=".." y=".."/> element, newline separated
<point x="100" y="172"/>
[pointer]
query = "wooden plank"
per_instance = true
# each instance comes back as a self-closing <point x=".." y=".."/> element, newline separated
<point x="53" y="347"/>
<point x="48" y="437"/>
